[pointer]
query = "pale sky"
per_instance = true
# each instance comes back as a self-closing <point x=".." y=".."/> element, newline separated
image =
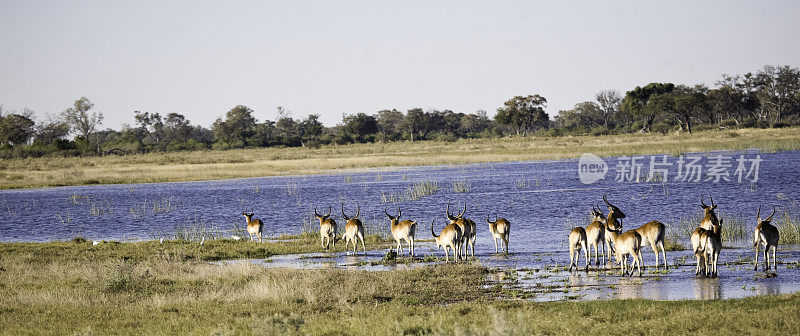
<point x="202" y="58"/>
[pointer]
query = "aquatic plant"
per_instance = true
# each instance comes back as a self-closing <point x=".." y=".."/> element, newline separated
<point x="462" y="186"/>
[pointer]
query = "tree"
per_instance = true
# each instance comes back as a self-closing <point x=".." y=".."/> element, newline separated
<point x="311" y="127"/>
<point x="389" y="123"/>
<point x="51" y="131"/>
<point x="414" y="121"/>
<point x="152" y="123"/>
<point x="683" y="103"/>
<point x="475" y="123"/>
<point x="635" y="102"/>
<point x="177" y="128"/>
<point x="586" y="114"/>
<point x="610" y="102"/>
<point x="79" y="119"/>
<point x="778" y="89"/>
<point x="237" y="128"/>
<point x="359" y="126"/>
<point x="523" y="114"/>
<point x="16" y="129"/>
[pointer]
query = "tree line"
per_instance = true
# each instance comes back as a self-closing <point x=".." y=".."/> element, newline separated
<point x="768" y="98"/>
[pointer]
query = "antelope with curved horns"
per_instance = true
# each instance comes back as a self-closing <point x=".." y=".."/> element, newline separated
<point x="354" y="229"/>
<point x="612" y="225"/>
<point x="711" y="246"/>
<point x="595" y="234"/>
<point x="577" y="241"/>
<point x="327" y="229"/>
<point x="768" y="235"/>
<point x="467" y="227"/>
<point x="654" y="232"/>
<point x="450" y="237"/>
<point x="500" y="229"/>
<point x="628" y="244"/>
<point x="254" y="226"/>
<point x="709" y="224"/>
<point x="402" y="230"/>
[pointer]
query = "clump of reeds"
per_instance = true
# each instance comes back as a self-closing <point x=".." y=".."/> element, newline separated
<point x="164" y="205"/>
<point x="788" y="223"/>
<point x="414" y="192"/>
<point x="462" y="186"/>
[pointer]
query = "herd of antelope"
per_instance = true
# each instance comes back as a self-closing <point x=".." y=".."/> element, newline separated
<point x="459" y="236"/>
<point x="706" y="240"/>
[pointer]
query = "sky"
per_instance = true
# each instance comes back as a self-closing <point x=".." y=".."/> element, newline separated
<point x="201" y="58"/>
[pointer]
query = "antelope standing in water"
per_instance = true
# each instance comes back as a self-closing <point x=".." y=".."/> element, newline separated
<point x="450" y="237"/>
<point x="766" y="234"/>
<point x="254" y="226"/>
<point x="577" y="241"/>
<point x="467" y="229"/>
<point x="500" y="229"/>
<point x="654" y="232"/>
<point x="327" y="229"/>
<point x="402" y="230"/>
<point x="628" y="244"/>
<point x="613" y="226"/>
<point x="595" y="234"/>
<point x="354" y="230"/>
<point x="709" y="224"/>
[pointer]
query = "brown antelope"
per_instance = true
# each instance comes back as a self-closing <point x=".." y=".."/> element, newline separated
<point x="577" y="241"/>
<point x="467" y="229"/>
<point x="450" y="237"/>
<point x="709" y="224"/>
<point x="711" y="246"/>
<point x="327" y="229"/>
<point x="654" y="232"/>
<point x="402" y="230"/>
<point x="628" y="244"/>
<point x="612" y="225"/>
<point x="500" y="229"/>
<point x="254" y="226"/>
<point x="766" y="234"/>
<point x="354" y="229"/>
<point x="595" y="234"/>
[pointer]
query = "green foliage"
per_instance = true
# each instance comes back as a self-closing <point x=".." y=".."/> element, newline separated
<point x="523" y="114"/>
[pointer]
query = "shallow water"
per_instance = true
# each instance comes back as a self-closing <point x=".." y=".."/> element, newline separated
<point x="541" y="199"/>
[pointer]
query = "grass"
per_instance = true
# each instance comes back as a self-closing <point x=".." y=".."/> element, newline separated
<point x="210" y="165"/>
<point x="139" y="288"/>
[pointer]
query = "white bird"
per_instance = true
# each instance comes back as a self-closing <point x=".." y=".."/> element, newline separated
<point x="161" y="241"/>
<point x="236" y="237"/>
<point x="95" y="243"/>
<point x="202" y="241"/>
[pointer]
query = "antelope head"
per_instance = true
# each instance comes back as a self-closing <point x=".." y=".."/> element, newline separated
<point x="321" y="217"/>
<point x="358" y="211"/>
<point x="709" y="212"/>
<point x="452" y="218"/>
<point x="597" y="215"/>
<point x="614" y="213"/>
<point x="492" y="223"/>
<point x="248" y="216"/>
<point x="393" y="220"/>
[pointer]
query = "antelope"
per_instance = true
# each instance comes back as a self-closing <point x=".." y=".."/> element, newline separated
<point x="353" y="229"/>
<point x="709" y="223"/>
<point x="449" y="237"/>
<point x="500" y="229"/>
<point x="768" y="235"/>
<point x="654" y="232"/>
<point x="327" y="229"/>
<point x="402" y="230"/>
<point x="577" y="241"/>
<point x="595" y="234"/>
<point x="628" y="244"/>
<point x="612" y="225"/>
<point x="254" y="226"/>
<point x="467" y="229"/>
<point x="711" y="246"/>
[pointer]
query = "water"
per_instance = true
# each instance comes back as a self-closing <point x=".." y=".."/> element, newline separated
<point x="541" y="199"/>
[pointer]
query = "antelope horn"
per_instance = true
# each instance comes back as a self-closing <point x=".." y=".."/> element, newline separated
<point x="399" y="213"/>
<point x="462" y="212"/>
<point x="343" y="215"/>
<point x="315" y="212"/>
<point x="329" y="211"/>
<point x="758" y="213"/>
<point x="770" y="216"/>
<point x="605" y="200"/>
<point x="447" y="211"/>
<point x="495" y="217"/>
<point x="432" y="232"/>
<point x="712" y="201"/>
<point x="358" y="210"/>
<point x="387" y="214"/>
<point x="702" y="203"/>
<point x="487" y="219"/>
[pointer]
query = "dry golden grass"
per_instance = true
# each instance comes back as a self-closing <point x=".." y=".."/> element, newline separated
<point x="211" y="165"/>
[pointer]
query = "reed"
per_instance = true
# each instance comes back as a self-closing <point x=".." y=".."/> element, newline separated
<point x="461" y="186"/>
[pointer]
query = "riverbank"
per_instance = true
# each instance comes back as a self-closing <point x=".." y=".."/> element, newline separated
<point x="153" y="288"/>
<point x="212" y="165"/>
